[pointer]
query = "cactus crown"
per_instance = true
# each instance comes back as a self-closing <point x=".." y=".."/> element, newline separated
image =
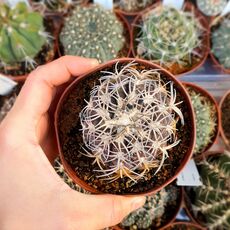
<point x="92" y="32"/>
<point x="169" y="36"/>
<point x="22" y="34"/>
<point x="220" y="42"/>
<point x="211" y="7"/>
<point x="129" y="123"/>
<point x="132" y="5"/>
<point x="212" y="199"/>
<point x="206" y="119"/>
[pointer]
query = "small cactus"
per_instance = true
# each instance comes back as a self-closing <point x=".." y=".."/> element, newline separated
<point x="129" y="123"/>
<point x="220" y="38"/>
<point x="211" y="7"/>
<point x="22" y="35"/>
<point x="206" y="119"/>
<point x="170" y="37"/>
<point x="132" y="5"/>
<point x="211" y="201"/>
<point x="92" y="32"/>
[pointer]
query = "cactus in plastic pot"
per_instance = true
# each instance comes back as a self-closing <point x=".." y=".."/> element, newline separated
<point x="171" y="38"/>
<point x="92" y="32"/>
<point x="211" y="201"/>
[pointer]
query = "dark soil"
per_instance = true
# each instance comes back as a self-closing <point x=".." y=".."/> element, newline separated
<point x="71" y="143"/>
<point x="182" y="227"/>
<point x="225" y="109"/>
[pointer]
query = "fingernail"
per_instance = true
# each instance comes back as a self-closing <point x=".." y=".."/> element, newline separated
<point x="94" y="62"/>
<point x="138" y="202"/>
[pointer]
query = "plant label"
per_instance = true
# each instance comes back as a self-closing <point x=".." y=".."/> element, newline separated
<point x="107" y="4"/>
<point x="178" y="4"/>
<point x="226" y="9"/>
<point x="6" y="85"/>
<point x="13" y="3"/>
<point x="189" y="176"/>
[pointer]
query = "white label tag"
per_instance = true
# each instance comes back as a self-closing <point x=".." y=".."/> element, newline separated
<point x="13" y="3"/>
<point x="174" y="3"/>
<point x="107" y="4"/>
<point x="226" y="9"/>
<point x="6" y="85"/>
<point x="189" y="176"/>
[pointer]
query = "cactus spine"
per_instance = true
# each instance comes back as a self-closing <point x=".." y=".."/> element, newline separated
<point x="92" y="32"/>
<point x="211" y="7"/>
<point x="132" y="5"/>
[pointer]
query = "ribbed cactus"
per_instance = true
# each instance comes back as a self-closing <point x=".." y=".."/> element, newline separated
<point x="92" y="32"/>
<point x="211" y="7"/>
<point x="206" y="119"/>
<point x="169" y="36"/>
<point x="151" y="214"/>
<point x="129" y="123"/>
<point x="211" y="202"/>
<point x="22" y="35"/>
<point x="220" y="37"/>
<point x="132" y="5"/>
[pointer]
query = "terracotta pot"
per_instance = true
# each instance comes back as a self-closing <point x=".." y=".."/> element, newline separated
<point x="125" y="52"/>
<point x="179" y="225"/>
<point x="225" y="139"/>
<point x="190" y="141"/>
<point x="205" y="93"/>
<point x="205" y="39"/>
<point x="214" y="23"/>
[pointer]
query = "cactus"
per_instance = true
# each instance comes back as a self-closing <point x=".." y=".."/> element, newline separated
<point x="169" y="36"/>
<point x="151" y="214"/>
<point x="220" y="37"/>
<point x="206" y="119"/>
<point x="211" y="203"/>
<point x="132" y="5"/>
<point x="129" y="122"/>
<point x="92" y="32"/>
<point x="22" y="35"/>
<point x="211" y="7"/>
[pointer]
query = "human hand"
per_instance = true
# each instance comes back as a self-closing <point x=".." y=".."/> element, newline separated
<point x="32" y="196"/>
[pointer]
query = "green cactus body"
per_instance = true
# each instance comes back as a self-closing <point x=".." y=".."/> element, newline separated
<point x="211" y="204"/>
<point x="92" y="32"/>
<point x="169" y="36"/>
<point x="22" y="34"/>
<point x="220" y="42"/>
<point x="206" y="119"/>
<point x="211" y="7"/>
<point x="132" y="5"/>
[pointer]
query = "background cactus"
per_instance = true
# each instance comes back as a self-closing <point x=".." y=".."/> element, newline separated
<point x="206" y="119"/>
<point x="22" y="35"/>
<point x="169" y="36"/>
<point x="211" y="201"/>
<point x="129" y="122"/>
<point x="211" y="7"/>
<point x="220" y="38"/>
<point x="151" y="214"/>
<point x="132" y="5"/>
<point x="92" y="32"/>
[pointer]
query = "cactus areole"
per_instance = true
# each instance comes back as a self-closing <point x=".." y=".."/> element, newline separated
<point x="129" y="124"/>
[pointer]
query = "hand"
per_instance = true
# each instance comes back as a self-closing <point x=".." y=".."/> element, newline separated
<point x="32" y="196"/>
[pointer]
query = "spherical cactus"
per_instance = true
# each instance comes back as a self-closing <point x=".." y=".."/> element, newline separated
<point x="22" y="34"/>
<point x="129" y="123"/>
<point x="220" y="38"/>
<point x="211" y="201"/>
<point x="206" y="119"/>
<point x="92" y="32"/>
<point x="132" y="5"/>
<point x="211" y="7"/>
<point x="169" y="36"/>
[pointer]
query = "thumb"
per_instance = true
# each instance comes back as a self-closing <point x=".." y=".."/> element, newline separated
<point x="100" y="211"/>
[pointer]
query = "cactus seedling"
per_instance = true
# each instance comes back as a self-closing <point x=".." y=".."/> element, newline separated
<point x="220" y="38"/>
<point x="211" y="201"/>
<point x="170" y="37"/>
<point x="211" y="7"/>
<point x="92" y="32"/>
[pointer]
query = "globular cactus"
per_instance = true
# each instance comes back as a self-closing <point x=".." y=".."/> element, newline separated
<point x="169" y="36"/>
<point x="211" y="7"/>
<point x="211" y="201"/>
<point x="132" y="5"/>
<point x="92" y="32"/>
<point x="206" y="119"/>
<point x="151" y="214"/>
<point x="129" y="123"/>
<point x="220" y="37"/>
<point x="22" y="35"/>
